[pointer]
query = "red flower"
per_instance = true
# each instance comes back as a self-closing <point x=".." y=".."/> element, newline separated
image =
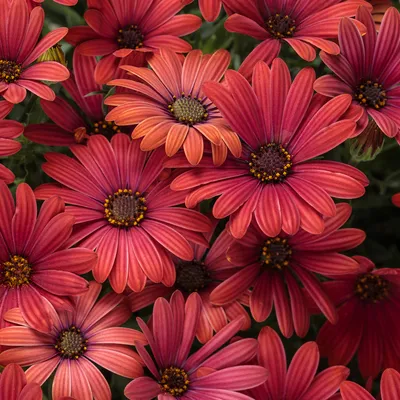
<point x="396" y="199"/>
<point x="13" y="385"/>
<point x="87" y="334"/>
<point x="303" y="24"/>
<point x="368" y="308"/>
<point x="176" y="373"/>
<point x="172" y="109"/>
<point x="123" y="211"/>
<point x="20" y="48"/>
<point x="36" y="262"/>
<point x="120" y="28"/>
<point x="390" y="388"/>
<point x="210" y="9"/>
<point x="275" y="179"/>
<point x="298" y="382"/>
<point x="368" y="68"/>
<point x="268" y="264"/>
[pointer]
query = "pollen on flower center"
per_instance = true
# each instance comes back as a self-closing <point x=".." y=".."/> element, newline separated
<point x="71" y="343"/>
<point x="130" y="37"/>
<point x="276" y="253"/>
<point x="188" y="110"/>
<point x="191" y="276"/>
<point x="106" y="128"/>
<point x="124" y="208"/>
<point x="372" y="288"/>
<point x="10" y="71"/>
<point x="371" y="94"/>
<point x="280" y="26"/>
<point x="271" y="163"/>
<point x="174" y="381"/>
<point x="16" y="272"/>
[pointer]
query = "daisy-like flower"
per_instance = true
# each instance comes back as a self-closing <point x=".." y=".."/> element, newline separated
<point x="268" y="264"/>
<point x="303" y="24"/>
<point x="210" y="9"/>
<point x="200" y="275"/>
<point x="176" y="373"/>
<point x="298" y="381"/>
<point x="368" y="68"/>
<point x="171" y="108"/>
<point x="19" y="35"/>
<point x="35" y="261"/>
<point x="87" y="334"/>
<point x="396" y="199"/>
<point x="123" y="211"/>
<point x="284" y="128"/>
<point x="14" y="386"/>
<point x="132" y="28"/>
<point x="368" y="305"/>
<point x="72" y="125"/>
<point x="390" y="388"/>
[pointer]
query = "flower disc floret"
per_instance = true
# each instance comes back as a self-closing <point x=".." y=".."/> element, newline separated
<point x="371" y="94"/>
<point x="372" y="288"/>
<point x="174" y="381"/>
<point x="276" y="253"/>
<point x="71" y="343"/>
<point x="188" y="110"/>
<point x="16" y="272"/>
<point x="10" y="71"/>
<point x="280" y="26"/>
<point x="130" y="37"/>
<point x="192" y="276"/>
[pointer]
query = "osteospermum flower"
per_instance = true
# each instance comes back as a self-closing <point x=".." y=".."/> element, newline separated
<point x="396" y="199"/>
<point x="20" y="48"/>
<point x="275" y="179"/>
<point x="176" y="374"/>
<point x="14" y="386"/>
<point x="119" y="28"/>
<point x="86" y="335"/>
<point x="35" y="261"/>
<point x="368" y="68"/>
<point x="298" y="381"/>
<point x="123" y="211"/>
<point x="172" y="109"/>
<point x="303" y="24"/>
<point x="390" y="388"/>
<point x="268" y="264"/>
<point x="368" y="304"/>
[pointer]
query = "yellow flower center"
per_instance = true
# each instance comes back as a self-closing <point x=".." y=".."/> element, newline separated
<point x="10" y="71"/>
<point x="16" y="272"/>
<point x="371" y="94"/>
<point x="174" y="381"/>
<point x="276" y="253"/>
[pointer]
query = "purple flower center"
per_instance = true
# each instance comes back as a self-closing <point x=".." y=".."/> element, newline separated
<point x="371" y="94"/>
<point x="188" y="110"/>
<point x="10" y="71"/>
<point x="271" y="163"/>
<point x="106" y="128"/>
<point x="71" y="343"/>
<point x="276" y="253"/>
<point x="280" y="26"/>
<point x="174" y="381"/>
<point x="16" y="272"/>
<point x="130" y="37"/>
<point x="371" y="288"/>
<point x="191" y="276"/>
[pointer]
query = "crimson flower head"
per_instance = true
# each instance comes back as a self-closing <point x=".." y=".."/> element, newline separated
<point x="205" y="374"/>
<point x="36" y="263"/>
<point x="170" y="106"/>
<point x="302" y="24"/>
<point x="368" y="304"/>
<point x="86" y="335"/>
<point x="368" y="68"/>
<point x="276" y="179"/>
<point x="124" y="211"/>
<point x="396" y="199"/>
<point x="298" y="381"/>
<point x="20" y="48"/>
<point x="132" y="28"/>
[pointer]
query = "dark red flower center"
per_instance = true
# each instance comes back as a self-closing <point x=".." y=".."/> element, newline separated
<point x="280" y="26"/>
<point x="106" y="128"/>
<point x="371" y="288"/>
<point x="71" y="343"/>
<point x="188" y="110"/>
<point x="10" y="71"/>
<point x="191" y="276"/>
<point x="16" y="272"/>
<point x="276" y="253"/>
<point x="271" y="163"/>
<point x="371" y="94"/>
<point x="174" y="381"/>
<point x="130" y="37"/>
<point x="124" y="208"/>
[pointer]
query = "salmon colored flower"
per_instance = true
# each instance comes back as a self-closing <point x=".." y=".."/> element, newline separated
<point x="298" y="381"/>
<point x="131" y="28"/>
<point x="176" y="374"/>
<point x="396" y="199"/>
<point x="171" y="108"/>
<point x="276" y="179"/>
<point x="124" y="211"/>
<point x="302" y="24"/>
<point x="20" y="48"/>
<point x="88" y="334"/>
<point x="368" y="307"/>
<point x="368" y="68"/>
<point x="36" y="262"/>
<point x="274" y="266"/>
